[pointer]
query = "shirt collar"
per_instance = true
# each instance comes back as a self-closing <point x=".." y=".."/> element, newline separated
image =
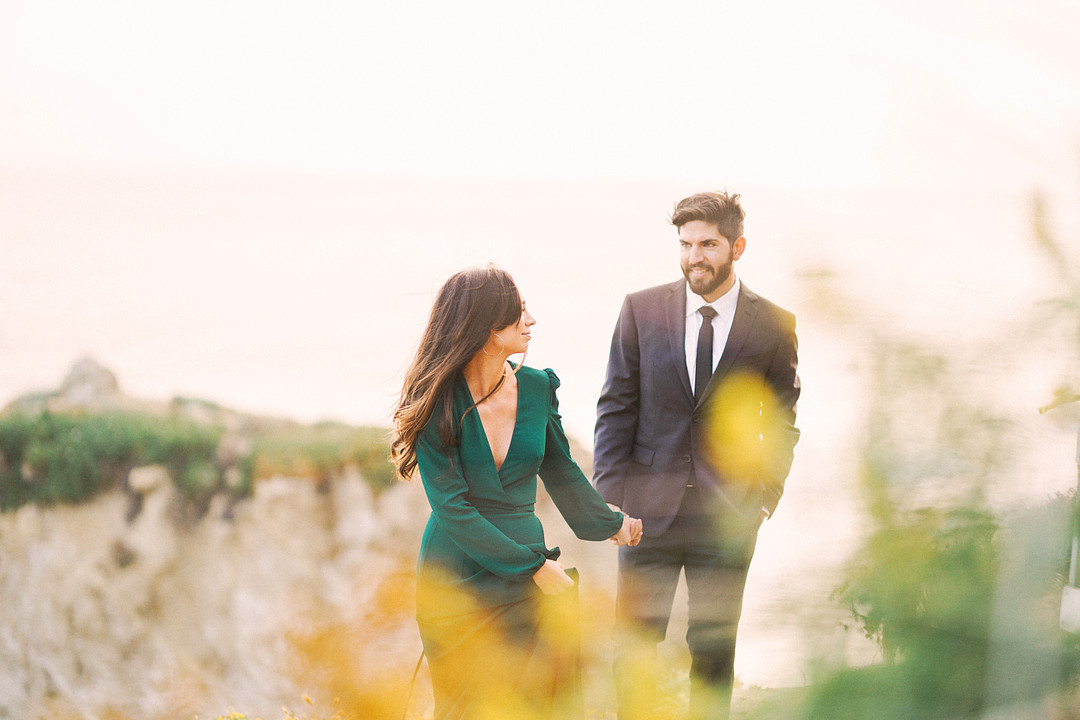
<point x="723" y="305"/>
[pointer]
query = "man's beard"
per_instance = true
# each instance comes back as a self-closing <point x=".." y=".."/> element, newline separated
<point x="707" y="286"/>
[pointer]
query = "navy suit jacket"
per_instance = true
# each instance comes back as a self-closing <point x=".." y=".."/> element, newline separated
<point x="736" y="443"/>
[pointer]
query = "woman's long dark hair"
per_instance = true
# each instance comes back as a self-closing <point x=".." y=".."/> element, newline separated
<point x="467" y="308"/>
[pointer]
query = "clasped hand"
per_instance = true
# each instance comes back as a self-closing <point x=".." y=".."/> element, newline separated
<point x="629" y="533"/>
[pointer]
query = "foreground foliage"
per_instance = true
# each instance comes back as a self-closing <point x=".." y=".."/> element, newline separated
<point x="962" y="596"/>
<point x="288" y="714"/>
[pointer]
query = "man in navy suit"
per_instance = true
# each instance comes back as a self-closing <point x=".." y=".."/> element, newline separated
<point x="695" y="435"/>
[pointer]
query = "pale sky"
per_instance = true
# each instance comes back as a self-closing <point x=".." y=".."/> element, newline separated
<point x="841" y="93"/>
<point x="124" y="125"/>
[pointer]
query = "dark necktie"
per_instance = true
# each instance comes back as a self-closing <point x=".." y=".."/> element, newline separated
<point x="704" y="351"/>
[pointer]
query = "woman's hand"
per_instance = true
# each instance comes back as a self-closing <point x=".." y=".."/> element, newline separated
<point x="629" y="533"/>
<point x="551" y="579"/>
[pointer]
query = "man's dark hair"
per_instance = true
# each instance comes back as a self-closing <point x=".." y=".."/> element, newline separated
<point x="719" y="208"/>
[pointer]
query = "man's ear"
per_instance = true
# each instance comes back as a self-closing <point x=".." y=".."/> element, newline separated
<point x="738" y="247"/>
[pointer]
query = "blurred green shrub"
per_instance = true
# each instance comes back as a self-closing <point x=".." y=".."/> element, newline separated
<point x="923" y="582"/>
<point x="58" y="458"/>
<point x="962" y="602"/>
<point x="923" y="587"/>
<point x="69" y="458"/>
<point x="321" y="452"/>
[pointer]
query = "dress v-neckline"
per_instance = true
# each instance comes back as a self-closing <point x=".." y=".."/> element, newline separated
<point x="513" y="432"/>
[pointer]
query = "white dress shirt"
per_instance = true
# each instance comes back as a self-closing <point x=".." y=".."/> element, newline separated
<point x="725" y="313"/>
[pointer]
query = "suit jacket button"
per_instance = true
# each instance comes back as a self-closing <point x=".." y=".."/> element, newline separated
<point x="696" y="417"/>
<point x="687" y="459"/>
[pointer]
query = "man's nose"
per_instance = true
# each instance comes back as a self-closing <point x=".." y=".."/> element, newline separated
<point x="696" y="255"/>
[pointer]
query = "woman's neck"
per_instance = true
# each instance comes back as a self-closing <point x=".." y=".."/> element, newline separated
<point x="483" y="373"/>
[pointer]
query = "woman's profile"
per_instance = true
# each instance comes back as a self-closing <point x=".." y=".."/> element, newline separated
<point x="479" y="429"/>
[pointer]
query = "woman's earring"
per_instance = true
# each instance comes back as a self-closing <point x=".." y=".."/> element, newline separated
<point x="484" y="346"/>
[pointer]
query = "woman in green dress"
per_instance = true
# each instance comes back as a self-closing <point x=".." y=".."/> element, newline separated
<point x="479" y="429"/>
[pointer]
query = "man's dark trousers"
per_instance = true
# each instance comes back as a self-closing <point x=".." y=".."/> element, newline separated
<point x="715" y="561"/>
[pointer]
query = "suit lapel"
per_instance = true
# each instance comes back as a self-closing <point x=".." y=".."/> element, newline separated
<point x="676" y="323"/>
<point x="745" y="312"/>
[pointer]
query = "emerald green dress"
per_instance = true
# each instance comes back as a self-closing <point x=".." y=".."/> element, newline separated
<point x="496" y="646"/>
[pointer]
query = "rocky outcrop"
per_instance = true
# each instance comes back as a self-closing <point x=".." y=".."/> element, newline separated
<point x="101" y="616"/>
<point x="89" y="384"/>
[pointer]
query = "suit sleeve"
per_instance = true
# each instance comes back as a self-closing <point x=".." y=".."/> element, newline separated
<point x="779" y="433"/>
<point x="580" y="504"/>
<point x="446" y="488"/>
<point x="617" y="409"/>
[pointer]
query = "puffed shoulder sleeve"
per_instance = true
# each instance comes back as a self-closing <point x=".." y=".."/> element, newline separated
<point x="578" y="501"/>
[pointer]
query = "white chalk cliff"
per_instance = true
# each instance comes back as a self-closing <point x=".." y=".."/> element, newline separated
<point x="160" y="619"/>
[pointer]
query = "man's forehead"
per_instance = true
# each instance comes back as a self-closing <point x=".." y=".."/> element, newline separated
<point x="701" y="228"/>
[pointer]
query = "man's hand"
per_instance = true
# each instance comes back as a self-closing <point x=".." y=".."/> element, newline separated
<point x="629" y="533"/>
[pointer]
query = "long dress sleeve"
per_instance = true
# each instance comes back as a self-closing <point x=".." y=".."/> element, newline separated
<point x="580" y="504"/>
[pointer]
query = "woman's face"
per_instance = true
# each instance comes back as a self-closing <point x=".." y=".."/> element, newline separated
<point x="516" y="337"/>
